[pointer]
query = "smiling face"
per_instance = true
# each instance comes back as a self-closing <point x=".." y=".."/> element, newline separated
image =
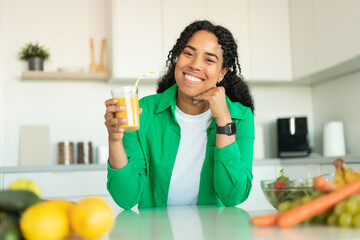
<point x="199" y="65"/>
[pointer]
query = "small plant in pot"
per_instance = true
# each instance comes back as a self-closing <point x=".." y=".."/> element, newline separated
<point x="35" y="55"/>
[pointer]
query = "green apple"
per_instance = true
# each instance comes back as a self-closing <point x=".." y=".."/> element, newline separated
<point x="25" y="184"/>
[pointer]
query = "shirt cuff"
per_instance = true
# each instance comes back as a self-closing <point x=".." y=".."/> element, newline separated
<point x="227" y="153"/>
<point x="124" y="172"/>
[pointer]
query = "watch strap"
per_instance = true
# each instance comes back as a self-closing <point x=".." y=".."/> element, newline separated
<point x="228" y="129"/>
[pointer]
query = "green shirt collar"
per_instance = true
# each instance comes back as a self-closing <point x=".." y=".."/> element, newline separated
<point x="168" y="99"/>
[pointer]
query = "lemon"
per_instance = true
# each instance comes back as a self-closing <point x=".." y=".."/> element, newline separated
<point x="60" y="204"/>
<point x="46" y="220"/>
<point x="25" y="184"/>
<point x="91" y="218"/>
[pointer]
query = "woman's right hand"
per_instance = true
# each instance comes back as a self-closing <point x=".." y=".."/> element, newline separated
<point x="111" y="122"/>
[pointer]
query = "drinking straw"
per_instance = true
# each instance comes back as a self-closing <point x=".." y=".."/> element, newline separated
<point x="138" y="79"/>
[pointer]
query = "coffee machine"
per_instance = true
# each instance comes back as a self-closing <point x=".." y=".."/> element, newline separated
<point x="293" y="138"/>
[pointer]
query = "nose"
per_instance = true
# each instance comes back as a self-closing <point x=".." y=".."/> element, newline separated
<point x="195" y="64"/>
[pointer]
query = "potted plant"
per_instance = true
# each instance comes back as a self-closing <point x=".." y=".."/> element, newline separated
<point x="35" y="55"/>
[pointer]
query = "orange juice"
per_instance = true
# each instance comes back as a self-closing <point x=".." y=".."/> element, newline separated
<point x="131" y="113"/>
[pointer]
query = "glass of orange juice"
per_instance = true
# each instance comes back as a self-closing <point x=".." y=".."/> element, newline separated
<point x="127" y="96"/>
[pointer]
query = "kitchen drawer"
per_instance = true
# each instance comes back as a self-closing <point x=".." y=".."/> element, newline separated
<point x="299" y="171"/>
<point x="63" y="184"/>
<point x="256" y="196"/>
<point x="329" y="168"/>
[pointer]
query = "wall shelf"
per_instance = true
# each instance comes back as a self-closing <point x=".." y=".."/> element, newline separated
<point x="40" y="75"/>
<point x="347" y="67"/>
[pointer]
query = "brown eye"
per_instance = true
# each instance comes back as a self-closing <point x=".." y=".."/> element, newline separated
<point x="188" y="54"/>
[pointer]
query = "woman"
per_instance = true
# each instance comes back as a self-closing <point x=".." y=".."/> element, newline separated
<point x="195" y="142"/>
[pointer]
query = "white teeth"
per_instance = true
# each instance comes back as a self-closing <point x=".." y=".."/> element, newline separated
<point x="192" y="78"/>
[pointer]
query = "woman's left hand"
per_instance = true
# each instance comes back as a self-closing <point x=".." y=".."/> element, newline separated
<point x="217" y="101"/>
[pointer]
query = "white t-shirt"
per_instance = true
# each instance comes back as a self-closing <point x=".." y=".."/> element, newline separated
<point x="185" y="178"/>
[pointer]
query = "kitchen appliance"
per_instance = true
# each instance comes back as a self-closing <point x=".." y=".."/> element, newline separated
<point x="293" y="139"/>
<point x="333" y="139"/>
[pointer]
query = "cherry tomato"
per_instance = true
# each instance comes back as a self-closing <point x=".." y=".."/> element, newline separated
<point x="279" y="185"/>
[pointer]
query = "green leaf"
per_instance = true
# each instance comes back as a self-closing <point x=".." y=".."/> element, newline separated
<point x="33" y="50"/>
<point x="282" y="177"/>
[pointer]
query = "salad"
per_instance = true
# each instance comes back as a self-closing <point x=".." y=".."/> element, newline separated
<point x="284" y="189"/>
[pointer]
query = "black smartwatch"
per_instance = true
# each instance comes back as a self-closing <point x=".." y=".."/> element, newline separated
<point x="229" y="129"/>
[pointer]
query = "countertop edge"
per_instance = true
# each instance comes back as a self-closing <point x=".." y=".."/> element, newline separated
<point x="96" y="167"/>
<point x="308" y="160"/>
<point x="52" y="168"/>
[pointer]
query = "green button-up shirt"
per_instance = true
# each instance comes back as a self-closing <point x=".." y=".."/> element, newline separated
<point x="226" y="174"/>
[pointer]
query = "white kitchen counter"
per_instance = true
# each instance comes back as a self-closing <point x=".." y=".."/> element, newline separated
<point x="51" y="168"/>
<point x="268" y="161"/>
<point x="80" y="180"/>
<point x="307" y="160"/>
<point x="211" y="222"/>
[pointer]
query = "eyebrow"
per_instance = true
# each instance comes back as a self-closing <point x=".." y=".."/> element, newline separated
<point x="207" y="53"/>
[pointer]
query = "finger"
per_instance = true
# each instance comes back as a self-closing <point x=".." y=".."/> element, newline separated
<point x="207" y="92"/>
<point x="116" y="129"/>
<point x="140" y="111"/>
<point x="203" y="96"/>
<point x="114" y="108"/>
<point x="212" y="92"/>
<point x="221" y="88"/>
<point x="115" y="121"/>
<point x="111" y="101"/>
<point x="109" y="116"/>
<point x="196" y="101"/>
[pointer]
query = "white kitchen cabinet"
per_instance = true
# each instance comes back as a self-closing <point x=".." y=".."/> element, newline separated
<point x="62" y="184"/>
<point x="176" y="16"/>
<point x="261" y="28"/>
<point x="141" y="41"/>
<point x="324" y="34"/>
<point x="329" y="168"/>
<point x="270" y="42"/>
<point x="136" y="38"/>
<point x="337" y="32"/>
<point x="236" y="20"/>
<point x="260" y="172"/>
<point x="278" y="40"/>
<point x="299" y="171"/>
<point x="303" y="37"/>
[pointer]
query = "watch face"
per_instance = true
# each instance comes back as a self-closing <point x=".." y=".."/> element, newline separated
<point x="233" y="128"/>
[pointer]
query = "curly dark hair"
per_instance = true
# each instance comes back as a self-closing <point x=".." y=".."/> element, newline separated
<point x="235" y="87"/>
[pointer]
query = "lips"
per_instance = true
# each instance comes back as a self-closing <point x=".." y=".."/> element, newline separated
<point x="193" y="79"/>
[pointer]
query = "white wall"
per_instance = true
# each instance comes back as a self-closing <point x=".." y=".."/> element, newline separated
<point x="272" y="102"/>
<point x="74" y="110"/>
<point x="2" y="49"/>
<point x="337" y="100"/>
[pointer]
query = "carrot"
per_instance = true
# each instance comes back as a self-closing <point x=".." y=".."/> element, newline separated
<point x="317" y="206"/>
<point x="268" y="220"/>
<point x="323" y="185"/>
